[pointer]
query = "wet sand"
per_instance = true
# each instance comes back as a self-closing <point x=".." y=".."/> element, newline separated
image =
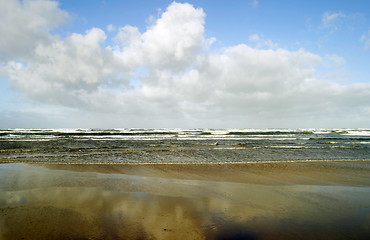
<point x="293" y="200"/>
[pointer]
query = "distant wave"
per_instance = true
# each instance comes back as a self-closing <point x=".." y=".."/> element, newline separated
<point x="182" y="145"/>
<point x="182" y="132"/>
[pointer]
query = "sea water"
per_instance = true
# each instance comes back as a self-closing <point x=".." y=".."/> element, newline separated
<point x="146" y="146"/>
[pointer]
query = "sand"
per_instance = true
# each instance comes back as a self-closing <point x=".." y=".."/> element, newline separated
<point x="295" y="200"/>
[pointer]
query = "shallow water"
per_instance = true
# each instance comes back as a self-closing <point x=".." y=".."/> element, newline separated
<point x="266" y="201"/>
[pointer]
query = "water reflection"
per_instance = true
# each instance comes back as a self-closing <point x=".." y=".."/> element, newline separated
<point x="41" y="203"/>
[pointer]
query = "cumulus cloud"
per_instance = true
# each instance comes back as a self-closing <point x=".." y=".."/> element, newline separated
<point x="67" y="71"/>
<point x="168" y="72"/>
<point x="172" y="41"/>
<point x="23" y="25"/>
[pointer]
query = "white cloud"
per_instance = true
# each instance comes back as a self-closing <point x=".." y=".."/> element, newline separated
<point x="66" y="71"/>
<point x="166" y="74"/>
<point x="172" y="41"/>
<point x="25" y="24"/>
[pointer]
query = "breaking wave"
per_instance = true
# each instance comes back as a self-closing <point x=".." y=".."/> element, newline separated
<point x="181" y="145"/>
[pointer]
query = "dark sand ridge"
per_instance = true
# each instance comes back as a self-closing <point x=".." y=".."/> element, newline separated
<point x="293" y="200"/>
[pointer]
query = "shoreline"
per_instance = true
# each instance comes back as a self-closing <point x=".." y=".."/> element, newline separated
<point x="3" y="161"/>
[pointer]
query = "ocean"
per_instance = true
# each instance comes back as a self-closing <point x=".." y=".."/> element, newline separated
<point x="147" y="146"/>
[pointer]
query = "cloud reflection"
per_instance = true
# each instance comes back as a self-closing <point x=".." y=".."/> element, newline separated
<point x="60" y="204"/>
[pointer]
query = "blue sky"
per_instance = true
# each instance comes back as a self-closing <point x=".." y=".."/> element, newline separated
<point x="250" y="64"/>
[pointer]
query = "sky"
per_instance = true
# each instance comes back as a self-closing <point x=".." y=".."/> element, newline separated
<point x="184" y="64"/>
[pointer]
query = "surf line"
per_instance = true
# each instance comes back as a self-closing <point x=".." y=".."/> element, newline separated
<point x="7" y="161"/>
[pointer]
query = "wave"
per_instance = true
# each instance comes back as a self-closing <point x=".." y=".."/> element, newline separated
<point x="135" y="131"/>
<point x="166" y="145"/>
<point x="297" y="136"/>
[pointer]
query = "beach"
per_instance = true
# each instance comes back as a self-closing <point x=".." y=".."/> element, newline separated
<point x="261" y="200"/>
<point x="184" y="120"/>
